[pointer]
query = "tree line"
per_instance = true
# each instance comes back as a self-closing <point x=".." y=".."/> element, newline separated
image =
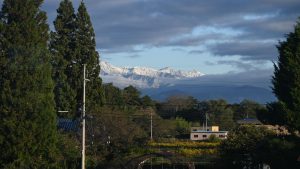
<point x="41" y="75"/>
<point x="254" y="147"/>
<point x="41" y="78"/>
<point x="218" y="112"/>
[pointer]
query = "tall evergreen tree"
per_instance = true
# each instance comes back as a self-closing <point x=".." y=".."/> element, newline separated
<point x="286" y="79"/>
<point x="27" y="115"/>
<point x="86" y="54"/>
<point x="62" y="47"/>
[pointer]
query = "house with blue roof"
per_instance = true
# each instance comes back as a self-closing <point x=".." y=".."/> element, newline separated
<point x="68" y="125"/>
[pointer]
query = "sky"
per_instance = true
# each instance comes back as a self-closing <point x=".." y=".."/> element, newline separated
<point x="213" y="37"/>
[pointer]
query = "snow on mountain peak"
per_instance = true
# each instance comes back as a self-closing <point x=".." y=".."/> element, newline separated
<point x="143" y="77"/>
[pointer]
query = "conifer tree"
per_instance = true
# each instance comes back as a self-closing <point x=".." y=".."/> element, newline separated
<point x="27" y="115"/>
<point x="86" y="54"/>
<point x="286" y="79"/>
<point x="62" y="47"/>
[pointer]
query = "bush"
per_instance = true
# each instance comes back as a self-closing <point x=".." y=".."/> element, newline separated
<point x="213" y="138"/>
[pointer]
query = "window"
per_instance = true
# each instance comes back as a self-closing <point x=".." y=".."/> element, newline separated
<point x="195" y="136"/>
<point x="222" y="136"/>
<point x="204" y="136"/>
<point x="194" y="129"/>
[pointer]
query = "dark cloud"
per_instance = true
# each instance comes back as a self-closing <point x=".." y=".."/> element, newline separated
<point x="196" y="52"/>
<point x="124" y="49"/>
<point x="238" y="64"/>
<point x="122" y="24"/>
<point x="178" y="50"/>
<point x="251" y="50"/>
<point x="257" y="77"/>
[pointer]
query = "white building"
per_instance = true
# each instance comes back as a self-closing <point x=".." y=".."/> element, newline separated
<point x="200" y="133"/>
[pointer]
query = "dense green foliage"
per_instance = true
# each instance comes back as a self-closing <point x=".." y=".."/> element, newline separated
<point x="286" y="85"/>
<point x="247" y="109"/>
<point x="274" y="114"/>
<point x="240" y="147"/>
<point x="62" y="47"/>
<point x="252" y="147"/>
<point x="27" y="115"/>
<point x="86" y="53"/>
<point x="73" y="44"/>
<point x="218" y="112"/>
<point x="114" y="126"/>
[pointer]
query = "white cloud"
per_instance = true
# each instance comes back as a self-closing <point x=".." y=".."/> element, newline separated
<point x="249" y="17"/>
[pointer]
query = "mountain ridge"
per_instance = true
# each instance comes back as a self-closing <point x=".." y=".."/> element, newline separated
<point x="163" y="83"/>
<point x="144" y="77"/>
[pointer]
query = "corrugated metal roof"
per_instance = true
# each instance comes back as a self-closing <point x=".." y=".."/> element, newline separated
<point x="68" y="124"/>
<point x="249" y="121"/>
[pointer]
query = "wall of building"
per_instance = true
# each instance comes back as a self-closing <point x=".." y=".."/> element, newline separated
<point x="206" y="135"/>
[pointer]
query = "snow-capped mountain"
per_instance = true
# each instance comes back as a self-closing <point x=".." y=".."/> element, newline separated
<point x="162" y="83"/>
<point x="143" y="77"/>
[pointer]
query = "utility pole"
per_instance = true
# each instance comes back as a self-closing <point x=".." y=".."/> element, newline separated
<point x="151" y="126"/>
<point x="205" y="121"/>
<point x="150" y="111"/>
<point x="83" y="118"/>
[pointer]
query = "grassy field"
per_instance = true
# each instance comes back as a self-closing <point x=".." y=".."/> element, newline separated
<point x="186" y="148"/>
